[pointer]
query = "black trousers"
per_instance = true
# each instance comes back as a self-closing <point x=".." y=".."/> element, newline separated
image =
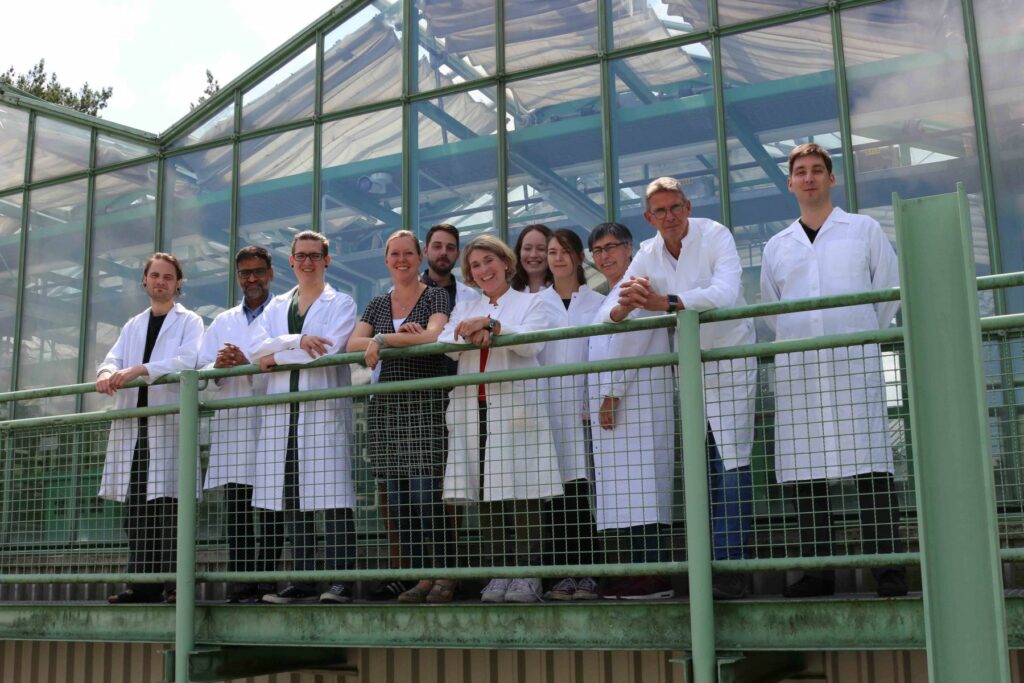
<point x="572" y="525"/>
<point x="879" y="519"/>
<point x="151" y="525"/>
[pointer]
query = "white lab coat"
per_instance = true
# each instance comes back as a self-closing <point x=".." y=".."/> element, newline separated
<point x="233" y="432"/>
<point x="325" y="426"/>
<point x="830" y="412"/>
<point x="520" y="461"/>
<point x="567" y="396"/>
<point x="708" y="275"/>
<point x="634" y="462"/>
<point x="176" y="349"/>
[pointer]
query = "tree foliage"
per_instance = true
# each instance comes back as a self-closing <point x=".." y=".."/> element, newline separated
<point x="48" y="87"/>
<point x="212" y="86"/>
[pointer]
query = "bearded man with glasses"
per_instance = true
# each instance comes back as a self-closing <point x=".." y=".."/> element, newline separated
<point x="693" y="263"/>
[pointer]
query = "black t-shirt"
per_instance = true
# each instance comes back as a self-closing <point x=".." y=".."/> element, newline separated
<point x="152" y="332"/>
<point x="811" y="234"/>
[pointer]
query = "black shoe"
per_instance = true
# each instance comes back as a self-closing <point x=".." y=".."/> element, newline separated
<point x="810" y="586"/>
<point x="339" y="593"/>
<point x="247" y="593"/>
<point x="390" y="590"/>
<point x="892" y="583"/>
<point x="293" y="593"/>
<point x="729" y="586"/>
<point x="131" y="596"/>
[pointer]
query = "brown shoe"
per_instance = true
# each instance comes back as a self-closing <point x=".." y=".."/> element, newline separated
<point x="443" y="591"/>
<point x="417" y="593"/>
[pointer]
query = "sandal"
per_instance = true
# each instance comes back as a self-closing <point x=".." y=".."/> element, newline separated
<point x="443" y="591"/>
<point x="417" y="593"/>
<point x="131" y="597"/>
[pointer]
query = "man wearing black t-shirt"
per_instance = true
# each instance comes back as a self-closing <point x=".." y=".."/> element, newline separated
<point x="141" y="467"/>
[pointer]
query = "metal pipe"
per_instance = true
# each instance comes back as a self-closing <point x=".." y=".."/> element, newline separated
<point x="843" y="102"/>
<point x="188" y="452"/>
<point x="695" y="484"/>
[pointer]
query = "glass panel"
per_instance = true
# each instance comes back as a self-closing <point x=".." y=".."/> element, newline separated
<point x="124" y="227"/>
<point x="546" y="31"/>
<point x="197" y="216"/>
<point x="276" y="196"/>
<point x="220" y="125"/>
<point x="285" y="95"/>
<point x="456" y="163"/>
<point x="555" y="165"/>
<point x="361" y="198"/>
<point x="736" y="11"/>
<point x="650" y="20"/>
<point x="10" y="256"/>
<point x="783" y="94"/>
<point x="456" y="41"/>
<point x="1002" y="51"/>
<point x="60" y="148"/>
<point x="13" y="145"/>
<point x="910" y="107"/>
<point x="111" y="150"/>
<point x="51" y="311"/>
<point x="363" y="58"/>
<point x="664" y="122"/>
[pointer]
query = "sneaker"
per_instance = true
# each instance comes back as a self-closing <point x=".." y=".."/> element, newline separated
<point x="810" y="586"/>
<point x="586" y="589"/>
<point x="563" y="590"/>
<point x="246" y="593"/>
<point x="892" y="583"/>
<point x="647" y="588"/>
<point x="293" y="593"/>
<point x="524" y="590"/>
<point x="389" y="590"/>
<point x="337" y="594"/>
<point x="729" y="586"/>
<point x="495" y="590"/>
<point x="611" y="589"/>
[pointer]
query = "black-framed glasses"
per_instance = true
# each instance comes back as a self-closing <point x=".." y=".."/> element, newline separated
<point x="247" y="273"/>
<point x="597" y="251"/>
<point x="313" y="256"/>
<point x="676" y="209"/>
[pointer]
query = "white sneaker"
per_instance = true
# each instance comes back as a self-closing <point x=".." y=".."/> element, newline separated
<point x="586" y="589"/>
<point x="563" y="590"/>
<point x="495" y="590"/>
<point x="523" y="590"/>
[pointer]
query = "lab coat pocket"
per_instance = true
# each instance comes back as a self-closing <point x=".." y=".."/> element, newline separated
<point x="847" y="261"/>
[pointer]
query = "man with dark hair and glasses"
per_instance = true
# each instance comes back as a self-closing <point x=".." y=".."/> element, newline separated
<point x="304" y="454"/>
<point x="693" y="263"/>
<point x="233" y="432"/>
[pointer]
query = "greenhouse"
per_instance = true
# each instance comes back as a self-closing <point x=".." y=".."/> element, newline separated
<point x="492" y="115"/>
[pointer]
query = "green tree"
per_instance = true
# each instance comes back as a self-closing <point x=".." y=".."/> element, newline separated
<point x="47" y="87"/>
<point x="212" y="86"/>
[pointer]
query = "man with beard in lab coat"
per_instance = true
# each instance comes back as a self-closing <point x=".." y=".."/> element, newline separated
<point x="141" y="467"/>
<point x="693" y="263"/>
<point x="304" y="454"/>
<point x="233" y="432"/>
<point x="830" y="411"/>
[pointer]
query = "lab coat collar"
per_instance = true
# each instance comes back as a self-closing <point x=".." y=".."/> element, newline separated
<point x="796" y="231"/>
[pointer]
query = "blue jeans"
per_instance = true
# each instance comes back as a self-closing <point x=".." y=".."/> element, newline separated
<point x="414" y="505"/>
<point x="732" y="505"/>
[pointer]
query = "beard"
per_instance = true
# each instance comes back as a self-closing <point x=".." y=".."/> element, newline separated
<point x="443" y="268"/>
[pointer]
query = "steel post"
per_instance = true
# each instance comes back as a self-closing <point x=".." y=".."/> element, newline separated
<point x="188" y="451"/>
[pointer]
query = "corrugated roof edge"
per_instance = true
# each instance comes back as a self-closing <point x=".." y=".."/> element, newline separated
<point x="262" y="68"/>
<point x="21" y="99"/>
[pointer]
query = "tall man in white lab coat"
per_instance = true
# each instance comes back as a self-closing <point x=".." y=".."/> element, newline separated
<point x="304" y="454"/>
<point x="141" y="467"/>
<point x="693" y="263"/>
<point x="830" y="411"/>
<point x="234" y="432"/>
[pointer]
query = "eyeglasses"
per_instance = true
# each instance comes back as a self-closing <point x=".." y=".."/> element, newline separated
<point x="251" y="272"/>
<point x="312" y="256"/>
<point x="676" y="209"/>
<point x="597" y="251"/>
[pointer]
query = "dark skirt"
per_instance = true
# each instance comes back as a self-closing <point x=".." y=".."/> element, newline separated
<point x="407" y="434"/>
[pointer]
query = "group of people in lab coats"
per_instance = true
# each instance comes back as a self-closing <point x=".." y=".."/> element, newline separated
<point x="550" y="462"/>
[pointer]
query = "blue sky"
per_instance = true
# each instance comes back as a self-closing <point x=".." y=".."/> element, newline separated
<point x="154" y="54"/>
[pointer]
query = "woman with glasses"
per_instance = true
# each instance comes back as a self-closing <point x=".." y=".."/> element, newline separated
<point x="499" y="436"/>
<point x="406" y="430"/>
<point x="571" y="302"/>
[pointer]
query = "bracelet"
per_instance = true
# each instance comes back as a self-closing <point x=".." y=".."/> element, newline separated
<point x="379" y="338"/>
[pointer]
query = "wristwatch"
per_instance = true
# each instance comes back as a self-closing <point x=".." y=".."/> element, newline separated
<point x="673" y="303"/>
<point x="491" y="324"/>
<point x="379" y="338"/>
